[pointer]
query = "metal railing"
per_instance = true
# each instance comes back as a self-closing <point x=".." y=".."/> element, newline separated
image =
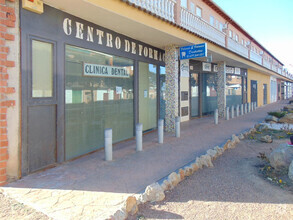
<point x="165" y="9"/>
<point x="266" y="64"/>
<point x="161" y="8"/>
<point x="237" y="48"/>
<point x="196" y="25"/>
<point x="255" y="57"/>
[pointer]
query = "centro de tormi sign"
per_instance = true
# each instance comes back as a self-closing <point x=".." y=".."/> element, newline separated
<point x="118" y="42"/>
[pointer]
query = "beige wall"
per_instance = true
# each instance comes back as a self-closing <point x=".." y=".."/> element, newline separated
<point x="184" y="86"/>
<point x="261" y="79"/>
<point x="13" y="113"/>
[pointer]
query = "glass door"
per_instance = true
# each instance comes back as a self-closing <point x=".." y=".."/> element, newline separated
<point x="194" y="86"/>
<point x="147" y="95"/>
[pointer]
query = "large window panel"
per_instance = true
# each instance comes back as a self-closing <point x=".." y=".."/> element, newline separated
<point x="233" y="90"/>
<point x="98" y="95"/>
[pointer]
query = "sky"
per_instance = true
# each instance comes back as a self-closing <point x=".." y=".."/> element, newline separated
<point x="270" y="22"/>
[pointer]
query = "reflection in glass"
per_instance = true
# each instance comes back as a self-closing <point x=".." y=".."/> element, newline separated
<point x="209" y="94"/>
<point x="42" y="69"/>
<point x="194" y="82"/>
<point x="94" y="103"/>
<point x="233" y="90"/>
<point x="147" y="95"/>
<point x="162" y="92"/>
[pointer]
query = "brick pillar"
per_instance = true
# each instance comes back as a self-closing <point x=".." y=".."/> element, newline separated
<point x="171" y="61"/>
<point x="7" y="20"/>
<point x="221" y="88"/>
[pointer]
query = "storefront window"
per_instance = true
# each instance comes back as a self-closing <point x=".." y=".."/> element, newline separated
<point x="98" y="95"/>
<point x="147" y="95"/>
<point x="162" y="92"/>
<point x="233" y="90"/>
<point x="209" y="93"/>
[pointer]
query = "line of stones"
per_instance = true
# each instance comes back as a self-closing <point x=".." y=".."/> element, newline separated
<point x="155" y="191"/>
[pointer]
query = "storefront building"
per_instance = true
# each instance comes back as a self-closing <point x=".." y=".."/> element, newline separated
<point x="71" y="69"/>
<point x="80" y="79"/>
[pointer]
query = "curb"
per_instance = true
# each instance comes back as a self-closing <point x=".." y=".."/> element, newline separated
<point x="155" y="192"/>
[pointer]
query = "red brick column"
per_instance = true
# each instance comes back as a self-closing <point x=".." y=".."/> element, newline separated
<point x="7" y="20"/>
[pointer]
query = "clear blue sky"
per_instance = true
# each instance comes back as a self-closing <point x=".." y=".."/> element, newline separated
<point x="270" y="22"/>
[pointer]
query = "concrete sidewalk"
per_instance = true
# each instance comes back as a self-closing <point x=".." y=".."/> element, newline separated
<point x="91" y="188"/>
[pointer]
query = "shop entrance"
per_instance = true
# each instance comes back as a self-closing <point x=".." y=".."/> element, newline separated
<point x="41" y="107"/>
<point x="194" y="87"/>
<point x="253" y="91"/>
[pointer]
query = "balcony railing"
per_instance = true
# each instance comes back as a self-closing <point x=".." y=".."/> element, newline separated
<point x="161" y="8"/>
<point x="255" y="57"/>
<point x="237" y="48"/>
<point x="196" y="25"/>
<point x="166" y="9"/>
<point x="274" y="68"/>
<point x="266" y="64"/>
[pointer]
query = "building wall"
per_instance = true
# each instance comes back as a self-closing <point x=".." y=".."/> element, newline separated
<point x="9" y="84"/>
<point x="261" y="79"/>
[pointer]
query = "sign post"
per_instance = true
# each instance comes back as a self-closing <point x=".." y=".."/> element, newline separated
<point x="193" y="51"/>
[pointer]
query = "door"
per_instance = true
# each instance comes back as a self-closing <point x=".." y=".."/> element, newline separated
<point x="194" y="87"/>
<point x="39" y="145"/>
<point x="265" y="94"/>
<point x="253" y="91"/>
<point x="147" y="95"/>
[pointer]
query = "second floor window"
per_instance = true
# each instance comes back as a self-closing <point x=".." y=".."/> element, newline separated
<point x="198" y="11"/>
<point x="221" y="26"/>
<point x="192" y="7"/>
<point x="212" y="20"/>
<point x="184" y="3"/>
<point x="230" y="34"/>
<point x="242" y="42"/>
<point x="236" y="38"/>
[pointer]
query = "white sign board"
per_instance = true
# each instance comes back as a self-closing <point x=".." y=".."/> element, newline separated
<point x="184" y="68"/>
<point x="207" y="67"/>
<point x="105" y="71"/>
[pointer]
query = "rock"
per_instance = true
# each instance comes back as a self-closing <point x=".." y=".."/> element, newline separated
<point x="131" y="205"/>
<point x="188" y="171"/>
<point x="235" y="139"/>
<point x="194" y="167"/>
<point x="241" y="136"/>
<point x="261" y="127"/>
<point x="281" y="156"/>
<point x="290" y="173"/>
<point x="174" y="179"/>
<point x="271" y="118"/>
<point x="182" y="174"/>
<point x="166" y="185"/>
<point x="154" y="193"/>
<point x="266" y="139"/>
<point x="252" y="130"/>
<point x="119" y="215"/>
<point x="288" y="118"/>
<point x="212" y="153"/>
<point x="288" y="108"/>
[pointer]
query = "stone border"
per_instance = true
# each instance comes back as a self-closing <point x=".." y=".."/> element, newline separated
<point x="155" y="191"/>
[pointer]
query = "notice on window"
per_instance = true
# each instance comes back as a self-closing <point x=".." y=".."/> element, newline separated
<point x="145" y="93"/>
<point x="105" y="71"/>
<point x="68" y="96"/>
<point x="118" y="90"/>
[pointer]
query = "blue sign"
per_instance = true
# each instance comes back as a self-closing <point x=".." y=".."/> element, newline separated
<point x="193" y="51"/>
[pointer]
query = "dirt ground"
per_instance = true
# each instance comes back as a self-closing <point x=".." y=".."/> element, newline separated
<point x="11" y="209"/>
<point x="236" y="188"/>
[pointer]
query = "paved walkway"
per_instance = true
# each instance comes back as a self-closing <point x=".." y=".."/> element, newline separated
<point x="90" y="187"/>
